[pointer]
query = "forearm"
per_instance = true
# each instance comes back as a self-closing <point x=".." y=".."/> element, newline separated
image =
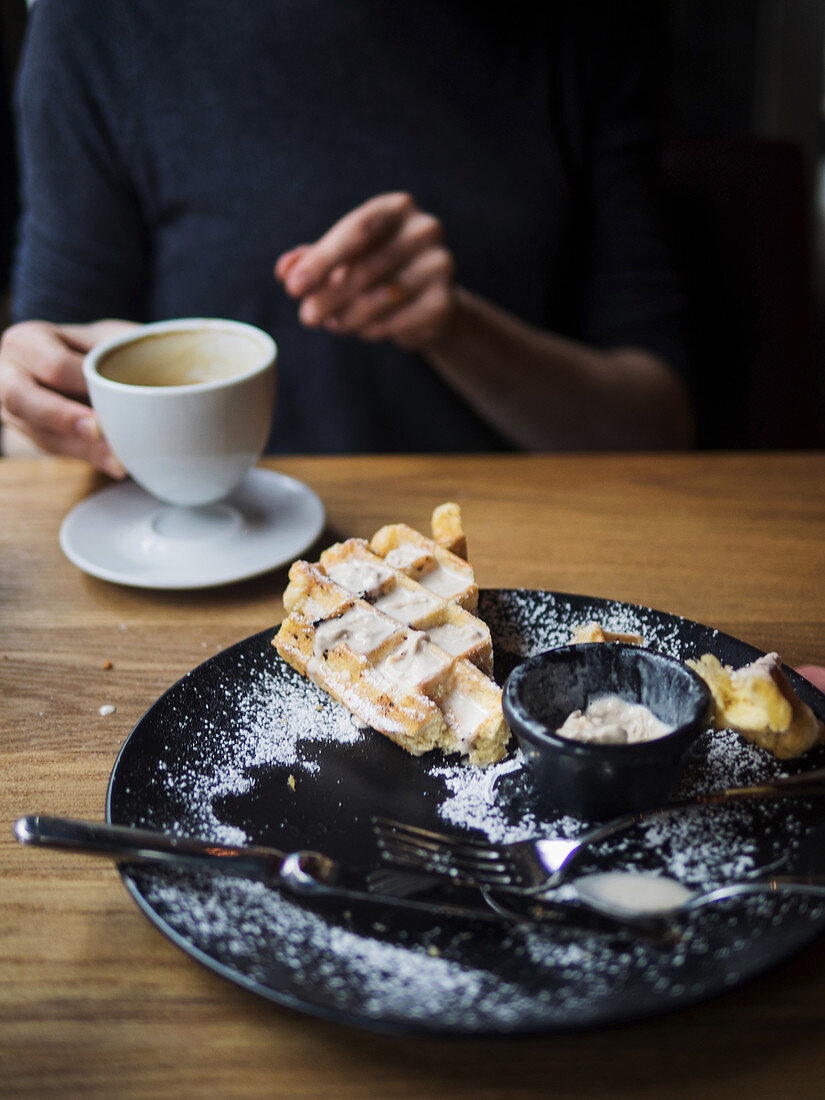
<point x="545" y="392"/>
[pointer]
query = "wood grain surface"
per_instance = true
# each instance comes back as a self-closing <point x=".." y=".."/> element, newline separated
<point x="96" y="1002"/>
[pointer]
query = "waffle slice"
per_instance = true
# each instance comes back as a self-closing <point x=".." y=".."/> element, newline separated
<point x="471" y="705"/>
<point x="354" y="566"/>
<point x="339" y="649"/>
<point x="423" y="559"/>
<point x="389" y="674"/>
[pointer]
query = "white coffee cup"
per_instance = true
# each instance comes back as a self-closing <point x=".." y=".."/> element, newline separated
<point x="185" y="405"/>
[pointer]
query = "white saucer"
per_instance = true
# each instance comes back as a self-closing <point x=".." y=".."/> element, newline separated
<point x="124" y="535"/>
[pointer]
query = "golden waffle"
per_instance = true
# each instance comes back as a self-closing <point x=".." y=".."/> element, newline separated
<point x="448" y="530"/>
<point x="405" y="659"/>
<point x="426" y="561"/>
<point x="447" y="622"/>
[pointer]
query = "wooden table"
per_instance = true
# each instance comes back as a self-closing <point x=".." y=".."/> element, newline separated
<point x="96" y="1002"/>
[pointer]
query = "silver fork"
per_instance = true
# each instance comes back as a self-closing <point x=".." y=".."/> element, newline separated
<point x="531" y="866"/>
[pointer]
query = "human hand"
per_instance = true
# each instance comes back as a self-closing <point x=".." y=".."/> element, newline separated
<point x="381" y="273"/>
<point x="814" y="673"/>
<point x="42" y="389"/>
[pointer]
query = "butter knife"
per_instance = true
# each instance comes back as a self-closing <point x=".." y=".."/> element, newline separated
<point x="305" y="874"/>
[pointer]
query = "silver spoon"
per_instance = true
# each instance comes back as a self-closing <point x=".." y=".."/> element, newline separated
<point x="631" y="894"/>
<point x="647" y="904"/>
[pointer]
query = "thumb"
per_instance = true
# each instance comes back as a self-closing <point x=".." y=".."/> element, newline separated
<point x="85" y="337"/>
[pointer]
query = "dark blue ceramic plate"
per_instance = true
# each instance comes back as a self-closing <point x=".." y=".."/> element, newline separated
<point x="244" y="748"/>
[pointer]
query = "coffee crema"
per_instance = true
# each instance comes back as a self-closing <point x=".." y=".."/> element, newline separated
<point x="181" y="358"/>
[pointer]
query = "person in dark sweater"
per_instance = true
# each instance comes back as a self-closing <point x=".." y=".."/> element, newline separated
<point x="456" y="208"/>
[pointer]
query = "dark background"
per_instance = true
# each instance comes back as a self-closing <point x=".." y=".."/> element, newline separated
<point x="744" y="153"/>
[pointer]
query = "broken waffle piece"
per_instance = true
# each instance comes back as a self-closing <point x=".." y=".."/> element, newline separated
<point x="448" y="529"/>
<point x="759" y="702"/>
<point x="405" y="659"/>
<point x="593" y="632"/>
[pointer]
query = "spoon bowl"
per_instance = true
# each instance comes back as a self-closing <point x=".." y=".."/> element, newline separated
<point x="628" y="895"/>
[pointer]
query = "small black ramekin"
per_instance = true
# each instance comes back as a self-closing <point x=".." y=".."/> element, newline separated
<point x="596" y="781"/>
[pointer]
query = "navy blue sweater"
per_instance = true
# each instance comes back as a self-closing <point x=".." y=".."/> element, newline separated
<point x="172" y="149"/>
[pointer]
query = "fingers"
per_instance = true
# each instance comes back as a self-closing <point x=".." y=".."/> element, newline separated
<point x="35" y="349"/>
<point x="381" y="272"/>
<point x="814" y="673"/>
<point x="90" y="446"/>
<point x="85" y="337"/>
<point x="42" y="389"/>
<point x="416" y="236"/>
<point x="419" y="323"/>
<point x="357" y="233"/>
<point x="392" y="307"/>
<point x="57" y="424"/>
<point x="288" y="260"/>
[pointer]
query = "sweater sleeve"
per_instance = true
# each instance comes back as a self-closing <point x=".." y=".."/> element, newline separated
<point x="82" y="247"/>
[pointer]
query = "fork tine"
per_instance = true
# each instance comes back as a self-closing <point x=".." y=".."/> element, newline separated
<point x="437" y="854"/>
<point x="386" y="827"/>
<point x="430" y="857"/>
<point x="471" y="856"/>
<point x="406" y="858"/>
<point x="457" y="870"/>
<point x="379" y="822"/>
<point x="462" y="859"/>
<point x="453" y="874"/>
<point x="394" y="883"/>
<point x="385" y="823"/>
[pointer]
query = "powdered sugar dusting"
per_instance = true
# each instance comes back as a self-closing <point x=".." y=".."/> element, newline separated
<point x="250" y="720"/>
